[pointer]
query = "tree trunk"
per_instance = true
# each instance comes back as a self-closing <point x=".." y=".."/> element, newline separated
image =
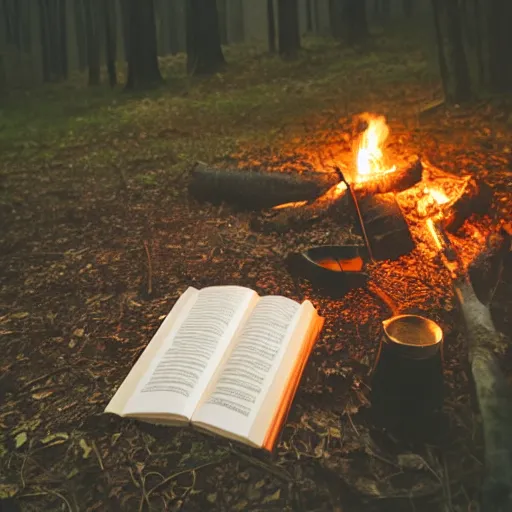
<point x="288" y="28"/>
<point x="143" y="71"/>
<point x="459" y="63"/>
<point x="336" y="18"/>
<point x="63" y="40"/>
<point x="45" y="43"/>
<point x="93" y="43"/>
<point x="204" y="53"/>
<point x="441" y="51"/>
<point x="81" y="35"/>
<point x="223" y="25"/>
<point x="408" y="6"/>
<point x="500" y="44"/>
<point x="309" y="16"/>
<point x="110" y="40"/>
<point x="271" y="24"/>
<point x="174" y="44"/>
<point x="356" y="25"/>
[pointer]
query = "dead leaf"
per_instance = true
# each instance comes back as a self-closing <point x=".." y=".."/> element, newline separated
<point x="58" y="437"/>
<point x="20" y="439"/>
<point x="272" y="497"/>
<point x="410" y="461"/>
<point x="86" y="448"/>
<point x="19" y="316"/>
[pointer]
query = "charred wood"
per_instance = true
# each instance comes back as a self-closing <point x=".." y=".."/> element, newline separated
<point x="475" y="198"/>
<point x="255" y="189"/>
<point x="300" y="216"/>
<point x="386" y="228"/>
<point x="396" y="181"/>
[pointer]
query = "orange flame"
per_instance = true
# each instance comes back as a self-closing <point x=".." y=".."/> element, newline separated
<point x="437" y="195"/>
<point x="370" y="160"/>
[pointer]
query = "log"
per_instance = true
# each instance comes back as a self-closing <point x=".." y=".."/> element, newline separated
<point x="300" y="216"/>
<point x="257" y="188"/>
<point x="493" y="392"/>
<point x="494" y="398"/>
<point x="386" y="228"/>
<point x="475" y="198"/>
<point x="397" y="181"/>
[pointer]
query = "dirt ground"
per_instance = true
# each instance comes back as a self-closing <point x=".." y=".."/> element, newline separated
<point x="99" y="238"/>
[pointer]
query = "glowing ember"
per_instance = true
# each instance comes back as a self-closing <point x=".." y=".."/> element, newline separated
<point x="438" y="195"/>
<point x="435" y="235"/>
<point x="370" y="159"/>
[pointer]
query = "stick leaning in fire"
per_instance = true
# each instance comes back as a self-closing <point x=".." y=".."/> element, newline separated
<point x="493" y="392"/>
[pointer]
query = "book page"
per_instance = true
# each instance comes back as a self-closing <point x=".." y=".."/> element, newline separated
<point x="182" y="370"/>
<point x="242" y="382"/>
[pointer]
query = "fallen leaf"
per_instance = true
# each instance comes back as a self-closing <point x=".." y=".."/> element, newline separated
<point x="58" y="436"/>
<point x="7" y="491"/>
<point x="86" y="448"/>
<point x="42" y="394"/>
<point x="78" y="333"/>
<point x="20" y="315"/>
<point x="20" y="439"/>
<point x="411" y="461"/>
<point x="272" y="497"/>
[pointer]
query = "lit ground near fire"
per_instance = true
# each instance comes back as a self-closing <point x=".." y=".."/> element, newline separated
<point x="93" y="194"/>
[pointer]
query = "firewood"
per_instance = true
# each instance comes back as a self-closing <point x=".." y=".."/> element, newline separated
<point x="386" y="228"/>
<point x="476" y="198"/>
<point x="397" y="181"/>
<point x="493" y="392"/>
<point x="257" y="188"/>
<point x="300" y="216"/>
<point x="494" y="398"/>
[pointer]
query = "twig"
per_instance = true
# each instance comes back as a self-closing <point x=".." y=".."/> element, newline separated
<point x="150" y="268"/>
<point x="98" y="456"/>
<point x="63" y="498"/>
<point x="43" y="377"/>
<point x="184" y="472"/>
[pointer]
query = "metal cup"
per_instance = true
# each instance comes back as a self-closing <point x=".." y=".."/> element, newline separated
<point x="407" y="379"/>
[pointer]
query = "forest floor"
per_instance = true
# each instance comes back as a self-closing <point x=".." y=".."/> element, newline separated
<point x="93" y="185"/>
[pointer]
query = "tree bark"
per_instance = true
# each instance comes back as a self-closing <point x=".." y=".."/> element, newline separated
<point x="223" y="25"/>
<point x="93" y="43"/>
<point x="143" y="71"/>
<point x="309" y="16"/>
<point x="336" y="18"/>
<point x="271" y="24"/>
<point x="356" y="25"/>
<point x="174" y="44"/>
<point x="204" y="53"/>
<point x="441" y="51"/>
<point x="408" y="6"/>
<point x="499" y="44"/>
<point x="288" y="28"/>
<point x="459" y="63"/>
<point x="110" y="40"/>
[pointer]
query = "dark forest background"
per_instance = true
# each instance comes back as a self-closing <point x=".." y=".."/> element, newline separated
<point x="54" y="40"/>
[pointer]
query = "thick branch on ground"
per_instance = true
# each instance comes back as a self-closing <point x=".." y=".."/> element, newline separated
<point x="475" y="198"/>
<point x="494" y="398"/>
<point x="299" y="216"/>
<point x="397" y="181"/>
<point x="257" y="188"/>
<point x="387" y="230"/>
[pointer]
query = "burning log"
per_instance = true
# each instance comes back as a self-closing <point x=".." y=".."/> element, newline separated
<point x="476" y="197"/>
<point x="393" y="181"/>
<point x="385" y="225"/>
<point x="298" y="216"/>
<point x="257" y="188"/>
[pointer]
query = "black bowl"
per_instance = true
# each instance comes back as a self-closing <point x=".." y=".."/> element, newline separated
<point x="335" y="269"/>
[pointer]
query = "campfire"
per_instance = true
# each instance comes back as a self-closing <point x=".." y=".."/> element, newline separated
<point x="390" y="198"/>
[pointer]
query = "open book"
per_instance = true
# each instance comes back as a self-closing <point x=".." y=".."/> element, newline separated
<point x="225" y="360"/>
